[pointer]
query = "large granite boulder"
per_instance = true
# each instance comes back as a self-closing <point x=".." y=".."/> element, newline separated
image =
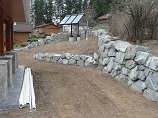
<point x="110" y="66"/>
<point x="151" y="94"/>
<point x="120" y="57"/>
<point x="141" y="57"/>
<point x="152" y="63"/>
<point x="122" y="46"/>
<point x="132" y="50"/>
<point x="133" y="75"/>
<point x="139" y="86"/>
<point x="89" y="61"/>
<point x="152" y="82"/>
<point x="111" y="53"/>
<point x="105" y="61"/>
<point x="125" y="71"/>
<point x="130" y="64"/>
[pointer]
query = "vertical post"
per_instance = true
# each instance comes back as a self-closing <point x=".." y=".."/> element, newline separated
<point x="11" y="35"/>
<point x="1" y="33"/>
<point x="78" y="30"/>
<point x="8" y="35"/>
<point x="71" y="31"/>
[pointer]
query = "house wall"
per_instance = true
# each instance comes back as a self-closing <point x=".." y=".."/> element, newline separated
<point x="20" y="37"/>
<point x="49" y="29"/>
<point x="40" y="30"/>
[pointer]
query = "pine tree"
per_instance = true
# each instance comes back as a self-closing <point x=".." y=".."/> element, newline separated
<point x="73" y="6"/>
<point x="59" y="9"/>
<point x="48" y="11"/>
<point x="39" y="9"/>
<point x="101" y="6"/>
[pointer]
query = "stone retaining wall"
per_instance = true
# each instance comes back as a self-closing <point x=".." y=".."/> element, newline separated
<point x="49" y="40"/>
<point x="130" y="64"/>
<point x="68" y="58"/>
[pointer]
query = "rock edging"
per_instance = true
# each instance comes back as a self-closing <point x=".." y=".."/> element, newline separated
<point x="68" y="58"/>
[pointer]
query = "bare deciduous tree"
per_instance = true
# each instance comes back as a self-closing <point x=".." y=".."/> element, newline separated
<point x="138" y="20"/>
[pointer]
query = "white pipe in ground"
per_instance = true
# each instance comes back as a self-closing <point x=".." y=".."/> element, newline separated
<point x="27" y="95"/>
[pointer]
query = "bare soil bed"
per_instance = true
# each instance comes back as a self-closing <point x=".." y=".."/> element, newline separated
<point x="64" y="91"/>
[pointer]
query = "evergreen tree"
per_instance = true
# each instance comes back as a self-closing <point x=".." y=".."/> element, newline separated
<point x="59" y="9"/>
<point x="73" y="6"/>
<point x="45" y="10"/>
<point x="101" y="6"/>
<point x="48" y="11"/>
<point x="39" y="9"/>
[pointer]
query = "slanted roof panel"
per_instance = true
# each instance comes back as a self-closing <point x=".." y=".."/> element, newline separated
<point x="78" y="18"/>
<point x="71" y="19"/>
<point x="65" y="19"/>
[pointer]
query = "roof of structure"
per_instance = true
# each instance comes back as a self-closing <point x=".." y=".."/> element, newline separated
<point x="22" y="28"/>
<point x="47" y="25"/>
<point x="72" y="19"/>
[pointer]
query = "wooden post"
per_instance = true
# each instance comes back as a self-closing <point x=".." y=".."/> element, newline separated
<point x="8" y="35"/>
<point x="12" y="35"/>
<point x="1" y="33"/>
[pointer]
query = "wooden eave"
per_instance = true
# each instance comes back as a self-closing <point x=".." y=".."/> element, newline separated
<point x="13" y="9"/>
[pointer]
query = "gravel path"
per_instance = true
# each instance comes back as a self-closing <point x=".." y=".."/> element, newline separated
<point x="64" y="91"/>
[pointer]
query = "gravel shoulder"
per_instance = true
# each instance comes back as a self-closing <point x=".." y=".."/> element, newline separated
<point x="64" y="91"/>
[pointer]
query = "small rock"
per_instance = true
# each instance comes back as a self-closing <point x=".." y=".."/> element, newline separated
<point x="80" y="63"/>
<point x="68" y="55"/>
<point x="65" y="61"/>
<point x="77" y="57"/>
<point x="72" y="62"/>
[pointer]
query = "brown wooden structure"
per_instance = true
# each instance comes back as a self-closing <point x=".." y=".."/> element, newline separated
<point x="11" y="11"/>
<point x="47" y="29"/>
<point x="21" y="33"/>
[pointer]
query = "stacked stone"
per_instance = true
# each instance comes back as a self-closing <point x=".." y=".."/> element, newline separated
<point x="32" y="45"/>
<point x="130" y="64"/>
<point x="48" y="40"/>
<point x="68" y="58"/>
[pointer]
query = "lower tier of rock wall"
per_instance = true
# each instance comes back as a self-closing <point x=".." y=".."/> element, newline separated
<point x="68" y="58"/>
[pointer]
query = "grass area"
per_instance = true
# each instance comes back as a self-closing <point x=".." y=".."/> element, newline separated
<point x="35" y="39"/>
<point x="17" y="46"/>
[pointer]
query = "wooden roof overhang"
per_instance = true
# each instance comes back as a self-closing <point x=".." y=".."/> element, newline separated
<point x="16" y="10"/>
